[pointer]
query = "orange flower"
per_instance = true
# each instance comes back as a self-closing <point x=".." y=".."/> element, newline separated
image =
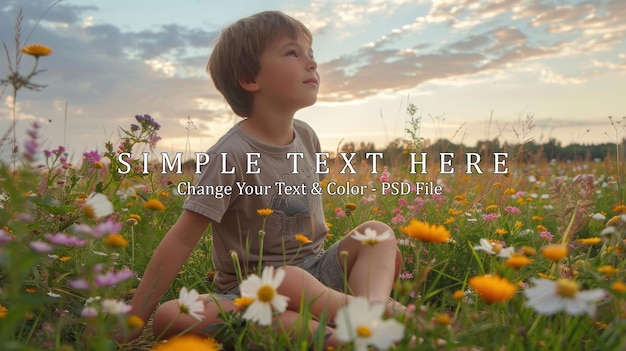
<point x="264" y="212"/>
<point x="458" y="294"/>
<point x="590" y="241"/>
<point x="619" y="287"/>
<point x="303" y="239"/>
<point x="154" y="205"/>
<point x="493" y="288"/>
<point x="620" y="209"/>
<point x="115" y="240"/>
<point x="189" y="342"/>
<point x="36" y="50"/>
<point x="425" y="232"/>
<point x="608" y="270"/>
<point x="554" y="252"/>
<point x="134" y="322"/>
<point x="518" y="261"/>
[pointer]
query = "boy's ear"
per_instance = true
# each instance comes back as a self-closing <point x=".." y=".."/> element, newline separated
<point x="251" y="86"/>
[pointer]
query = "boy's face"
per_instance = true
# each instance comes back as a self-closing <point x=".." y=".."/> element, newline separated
<point x="288" y="77"/>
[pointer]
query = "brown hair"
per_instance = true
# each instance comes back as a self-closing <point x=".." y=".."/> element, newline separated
<point x="237" y="52"/>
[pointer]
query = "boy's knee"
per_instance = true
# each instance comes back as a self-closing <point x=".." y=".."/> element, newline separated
<point x="378" y="226"/>
<point x="163" y="318"/>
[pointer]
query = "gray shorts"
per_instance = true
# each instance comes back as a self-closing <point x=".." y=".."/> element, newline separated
<point x="324" y="266"/>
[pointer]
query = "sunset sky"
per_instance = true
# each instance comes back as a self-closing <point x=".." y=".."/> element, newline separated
<point x="474" y="69"/>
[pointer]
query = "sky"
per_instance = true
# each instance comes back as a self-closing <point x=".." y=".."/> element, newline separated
<point x="474" y="69"/>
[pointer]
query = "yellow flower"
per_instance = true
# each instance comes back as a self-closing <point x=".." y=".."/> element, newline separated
<point x="36" y="50"/>
<point x="115" y="240"/>
<point x="98" y="165"/>
<point x="189" y="342"/>
<point x="134" y="322"/>
<point x="491" y="208"/>
<point x="30" y="290"/>
<point x="459" y="198"/>
<point x="351" y="206"/>
<point x="64" y="258"/>
<point x="541" y="228"/>
<point x="425" y="232"/>
<point x="554" y="252"/>
<point x="608" y="270"/>
<point x="443" y="318"/>
<point x="547" y="276"/>
<point x="518" y="261"/>
<point x="135" y="216"/>
<point x="154" y="204"/>
<point x="454" y="212"/>
<point x="450" y="220"/>
<point x="590" y="241"/>
<point x="501" y="231"/>
<point x="303" y="239"/>
<point x="3" y="311"/>
<point x="493" y="288"/>
<point x="529" y="251"/>
<point x="537" y="218"/>
<point x="518" y="224"/>
<point x="619" y="287"/>
<point x="265" y="212"/>
<point x="509" y="191"/>
<point x="613" y="221"/>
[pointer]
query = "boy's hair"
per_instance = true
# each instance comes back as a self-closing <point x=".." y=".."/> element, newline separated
<point x="237" y="52"/>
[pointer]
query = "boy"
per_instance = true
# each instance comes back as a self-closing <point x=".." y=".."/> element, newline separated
<point x="264" y="67"/>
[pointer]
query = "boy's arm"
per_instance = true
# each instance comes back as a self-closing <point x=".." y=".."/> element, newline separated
<point x="172" y="252"/>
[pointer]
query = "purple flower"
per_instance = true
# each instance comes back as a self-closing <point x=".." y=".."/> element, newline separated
<point x="491" y="216"/>
<point x="398" y="219"/>
<point x="79" y="284"/>
<point x="547" y="235"/>
<point x="111" y="278"/>
<point x="92" y="156"/>
<point x="64" y="239"/>
<point x="513" y="210"/>
<point x="40" y="246"/>
<point x="4" y="236"/>
<point x="100" y="230"/>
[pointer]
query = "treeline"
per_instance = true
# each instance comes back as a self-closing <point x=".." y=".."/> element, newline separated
<point x="528" y="151"/>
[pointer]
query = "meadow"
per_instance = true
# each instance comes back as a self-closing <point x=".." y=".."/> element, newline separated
<point x="529" y="259"/>
<point x="525" y="259"/>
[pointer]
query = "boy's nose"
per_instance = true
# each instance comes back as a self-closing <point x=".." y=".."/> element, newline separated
<point x="312" y="65"/>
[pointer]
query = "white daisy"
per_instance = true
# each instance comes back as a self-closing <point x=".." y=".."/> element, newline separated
<point x="549" y="297"/>
<point x="263" y="292"/>
<point x="494" y="249"/>
<point x="361" y="323"/>
<point x="115" y="307"/>
<point x="97" y="206"/>
<point x="371" y="237"/>
<point x="189" y="302"/>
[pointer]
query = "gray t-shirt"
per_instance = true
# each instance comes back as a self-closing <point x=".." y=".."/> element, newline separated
<point x="235" y="221"/>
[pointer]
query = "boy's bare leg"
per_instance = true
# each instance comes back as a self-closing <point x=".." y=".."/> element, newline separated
<point x="371" y="269"/>
<point x="168" y="322"/>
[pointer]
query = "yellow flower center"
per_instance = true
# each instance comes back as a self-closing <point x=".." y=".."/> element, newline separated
<point x="89" y="211"/>
<point x="265" y="293"/>
<point x="566" y="288"/>
<point x="496" y="248"/>
<point x="363" y="331"/>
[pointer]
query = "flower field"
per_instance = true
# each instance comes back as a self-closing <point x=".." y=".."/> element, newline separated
<point x="530" y="259"/>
